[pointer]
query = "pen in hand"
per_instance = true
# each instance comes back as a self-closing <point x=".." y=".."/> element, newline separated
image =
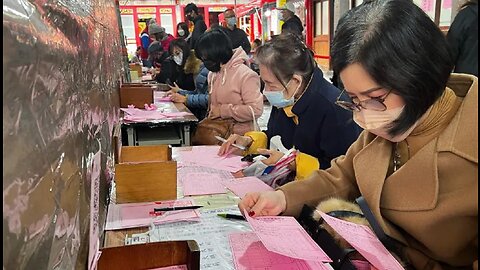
<point x="233" y="144"/>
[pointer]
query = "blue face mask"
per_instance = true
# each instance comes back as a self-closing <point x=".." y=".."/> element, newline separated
<point x="277" y="99"/>
<point x="231" y="21"/>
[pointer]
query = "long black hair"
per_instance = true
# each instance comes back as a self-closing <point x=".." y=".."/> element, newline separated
<point x="183" y="45"/>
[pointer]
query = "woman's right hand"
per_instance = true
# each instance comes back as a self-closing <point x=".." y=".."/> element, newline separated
<point x="269" y="203"/>
<point x="234" y="139"/>
<point x="174" y="88"/>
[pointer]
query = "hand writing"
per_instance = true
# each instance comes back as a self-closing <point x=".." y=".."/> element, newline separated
<point x="269" y="203"/>
<point x="177" y="98"/>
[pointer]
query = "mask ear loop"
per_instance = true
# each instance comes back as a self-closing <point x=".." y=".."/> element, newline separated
<point x="296" y="90"/>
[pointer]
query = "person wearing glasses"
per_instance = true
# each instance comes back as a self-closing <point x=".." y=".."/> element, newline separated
<point x="304" y="113"/>
<point x="415" y="166"/>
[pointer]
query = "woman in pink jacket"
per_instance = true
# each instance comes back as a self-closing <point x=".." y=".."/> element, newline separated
<point x="234" y="87"/>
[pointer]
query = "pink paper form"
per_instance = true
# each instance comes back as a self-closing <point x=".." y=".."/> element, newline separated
<point x="202" y="184"/>
<point x="249" y="253"/>
<point x="285" y="236"/>
<point x="139" y="115"/>
<point x="147" y="77"/>
<point x="207" y="156"/>
<point x="132" y="215"/>
<point x="364" y="241"/>
<point x="164" y="99"/>
<point x="242" y="186"/>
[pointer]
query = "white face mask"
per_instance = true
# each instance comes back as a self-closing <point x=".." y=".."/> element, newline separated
<point x="178" y="58"/>
<point x="181" y="32"/>
<point x="378" y="122"/>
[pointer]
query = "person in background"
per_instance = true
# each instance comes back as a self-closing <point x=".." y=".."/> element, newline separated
<point x="186" y="65"/>
<point x="158" y="33"/>
<point x="236" y="35"/>
<point x="303" y="113"/>
<point x="255" y="44"/>
<point x="463" y="38"/>
<point x="234" y="87"/>
<point x="136" y="58"/>
<point x="291" y="22"/>
<point x="161" y="63"/>
<point x="196" y="100"/>
<point x="145" y="42"/>
<point x="183" y="32"/>
<point x="415" y="166"/>
<point x="199" y="26"/>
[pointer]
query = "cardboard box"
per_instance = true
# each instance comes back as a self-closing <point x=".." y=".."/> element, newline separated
<point x="145" y="174"/>
<point x="151" y="255"/>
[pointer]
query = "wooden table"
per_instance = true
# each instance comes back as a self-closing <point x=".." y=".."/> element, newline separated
<point x="117" y="238"/>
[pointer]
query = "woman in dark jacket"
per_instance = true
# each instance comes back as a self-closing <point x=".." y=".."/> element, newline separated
<point x="185" y="64"/>
<point x="462" y="38"/>
<point x="196" y="100"/>
<point x="304" y="113"/>
<point x="161" y="62"/>
<point x="183" y="32"/>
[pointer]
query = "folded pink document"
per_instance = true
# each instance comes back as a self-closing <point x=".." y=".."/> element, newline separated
<point x="249" y="253"/>
<point x="241" y="186"/>
<point x="164" y="99"/>
<point x="285" y="236"/>
<point x="207" y="156"/>
<point x="139" y="115"/>
<point x="364" y="241"/>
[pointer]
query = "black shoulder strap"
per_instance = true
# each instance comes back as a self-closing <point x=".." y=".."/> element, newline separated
<point x="390" y="243"/>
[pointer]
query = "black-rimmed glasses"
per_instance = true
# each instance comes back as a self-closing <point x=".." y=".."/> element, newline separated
<point x="374" y="104"/>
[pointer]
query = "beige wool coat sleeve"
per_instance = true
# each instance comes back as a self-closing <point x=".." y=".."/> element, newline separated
<point x="430" y="204"/>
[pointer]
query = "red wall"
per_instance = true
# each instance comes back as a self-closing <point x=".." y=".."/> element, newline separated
<point x="136" y="10"/>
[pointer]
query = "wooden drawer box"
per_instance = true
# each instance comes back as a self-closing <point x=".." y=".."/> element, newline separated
<point x="150" y="256"/>
<point x="145" y="174"/>
<point x="135" y="95"/>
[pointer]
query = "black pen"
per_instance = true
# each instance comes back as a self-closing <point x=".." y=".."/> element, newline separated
<point x="177" y="208"/>
<point x="231" y="216"/>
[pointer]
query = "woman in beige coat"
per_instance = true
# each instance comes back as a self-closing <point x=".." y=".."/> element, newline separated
<point x="416" y="163"/>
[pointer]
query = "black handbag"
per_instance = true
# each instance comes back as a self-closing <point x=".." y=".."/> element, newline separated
<point x="339" y="256"/>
